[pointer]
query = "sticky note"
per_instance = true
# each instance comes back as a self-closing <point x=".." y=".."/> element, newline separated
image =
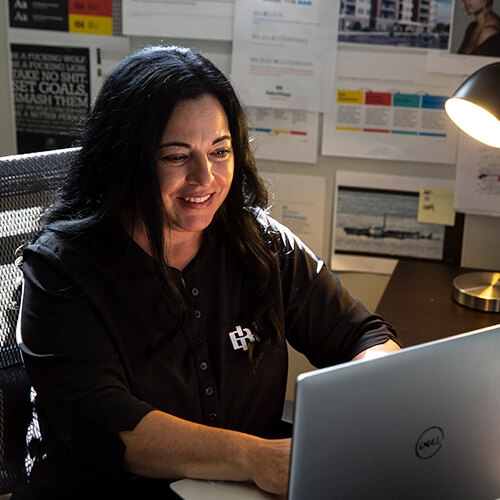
<point x="435" y="205"/>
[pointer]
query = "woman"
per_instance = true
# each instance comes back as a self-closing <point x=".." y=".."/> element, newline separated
<point x="159" y="295"/>
<point x="482" y="36"/>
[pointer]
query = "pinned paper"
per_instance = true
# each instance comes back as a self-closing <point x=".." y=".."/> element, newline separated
<point x="435" y="206"/>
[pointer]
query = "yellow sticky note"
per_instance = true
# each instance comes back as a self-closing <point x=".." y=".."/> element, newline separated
<point x="435" y="205"/>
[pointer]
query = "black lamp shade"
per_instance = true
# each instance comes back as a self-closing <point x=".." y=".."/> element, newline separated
<point x="475" y="105"/>
<point x="483" y="88"/>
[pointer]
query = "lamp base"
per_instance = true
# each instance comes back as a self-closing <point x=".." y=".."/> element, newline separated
<point x="478" y="290"/>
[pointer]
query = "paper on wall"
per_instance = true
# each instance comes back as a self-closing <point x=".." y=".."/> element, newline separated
<point x="284" y="134"/>
<point x="284" y="53"/>
<point x="387" y="107"/>
<point x="299" y="203"/>
<point x="477" y="183"/>
<point x="198" y="19"/>
<point x="277" y="134"/>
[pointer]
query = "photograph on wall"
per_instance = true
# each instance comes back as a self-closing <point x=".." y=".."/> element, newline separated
<point x="51" y="91"/>
<point x="476" y="28"/>
<point x="377" y="217"/>
<point x="403" y="23"/>
<point x="93" y="17"/>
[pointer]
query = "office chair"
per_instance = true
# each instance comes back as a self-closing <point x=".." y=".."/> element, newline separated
<point x="27" y="186"/>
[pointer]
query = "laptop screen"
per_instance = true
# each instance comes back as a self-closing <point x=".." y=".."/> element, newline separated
<point x="423" y="422"/>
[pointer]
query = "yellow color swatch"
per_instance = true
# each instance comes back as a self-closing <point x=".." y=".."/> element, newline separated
<point x="350" y="96"/>
<point x="435" y="206"/>
<point x="91" y="25"/>
<point x="354" y="129"/>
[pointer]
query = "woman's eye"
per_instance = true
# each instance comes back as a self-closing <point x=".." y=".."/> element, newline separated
<point x="174" y="158"/>
<point x="222" y="153"/>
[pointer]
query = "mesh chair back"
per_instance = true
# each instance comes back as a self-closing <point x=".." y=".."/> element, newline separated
<point x="27" y="185"/>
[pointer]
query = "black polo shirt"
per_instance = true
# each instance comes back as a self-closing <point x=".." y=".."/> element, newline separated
<point x="93" y="307"/>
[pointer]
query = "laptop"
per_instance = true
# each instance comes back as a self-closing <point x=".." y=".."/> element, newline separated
<point x="420" y="423"/>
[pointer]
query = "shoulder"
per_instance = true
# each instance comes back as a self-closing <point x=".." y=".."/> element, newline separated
<point x="488" y="31"/>
<point x="286" y="244"/>
<point x="56" y="244"/>
<point x="272" y="228"/>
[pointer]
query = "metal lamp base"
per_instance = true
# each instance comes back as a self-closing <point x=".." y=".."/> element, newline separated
<point x="478" y="290"/>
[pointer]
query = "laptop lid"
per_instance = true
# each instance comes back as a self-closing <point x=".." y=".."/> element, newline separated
<point x="420" y="423"/>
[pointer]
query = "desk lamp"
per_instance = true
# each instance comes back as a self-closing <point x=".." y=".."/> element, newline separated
<point x="475" y="108"/>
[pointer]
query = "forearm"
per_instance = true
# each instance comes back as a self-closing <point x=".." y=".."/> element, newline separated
<point x="165" y="446"/>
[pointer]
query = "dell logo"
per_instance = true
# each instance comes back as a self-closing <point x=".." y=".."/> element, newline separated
<point x="429" y="442"/>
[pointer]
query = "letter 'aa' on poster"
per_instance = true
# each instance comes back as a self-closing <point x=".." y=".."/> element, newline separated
<point x="284" y="53"/>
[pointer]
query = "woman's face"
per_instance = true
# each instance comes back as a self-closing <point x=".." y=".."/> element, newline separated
<point x="195" y="164"/>
<point x="474" y="6"/>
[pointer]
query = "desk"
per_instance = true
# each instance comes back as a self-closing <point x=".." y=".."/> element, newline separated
<point x="417" y="303"/>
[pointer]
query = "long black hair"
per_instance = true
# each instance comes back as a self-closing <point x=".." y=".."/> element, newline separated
<point x="115" y="171"/>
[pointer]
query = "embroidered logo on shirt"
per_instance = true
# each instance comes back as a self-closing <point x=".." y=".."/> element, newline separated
<point x="241" y="337"/>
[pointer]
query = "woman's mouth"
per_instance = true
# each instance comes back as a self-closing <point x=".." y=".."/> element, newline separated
<point x="196" y="199"/>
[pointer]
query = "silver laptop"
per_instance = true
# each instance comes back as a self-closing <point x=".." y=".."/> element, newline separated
<point x="421" y="423"/>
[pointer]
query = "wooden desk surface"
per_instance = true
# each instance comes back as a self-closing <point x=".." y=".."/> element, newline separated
<point x="417" y="303"/>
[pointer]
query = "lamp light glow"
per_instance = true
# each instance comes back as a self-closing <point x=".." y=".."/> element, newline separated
<point x="474" y="120"/>
<point x="475" y="105"/>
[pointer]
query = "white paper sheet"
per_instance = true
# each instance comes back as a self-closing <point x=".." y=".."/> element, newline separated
<point x="278" y="134"/>
<point x="388" y="107"/>
<point x="477" y="183"/>
<point x="375" y="222"/>
<point x="299" y="203"/>
<point x="284" y="53"/>
<point x="284" y="135"/>
<point x="198" y="19"/>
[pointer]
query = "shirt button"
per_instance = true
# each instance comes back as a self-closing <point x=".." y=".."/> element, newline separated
<point x="197" y="314"/>
<point x="203" y="365"/>
<point x="197" y="340"/>
<point x="195" y="291"/>
<point x="212" y="417"/>
<point x="209" y="390"/>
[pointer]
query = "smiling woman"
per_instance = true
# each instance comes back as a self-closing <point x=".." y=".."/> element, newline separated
<point x="195" y="171"/>
<point x="159" y="297"/>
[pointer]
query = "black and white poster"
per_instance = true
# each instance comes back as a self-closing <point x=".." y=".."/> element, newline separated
<point x="51" y="92"/>
<point x="40" y="14"/>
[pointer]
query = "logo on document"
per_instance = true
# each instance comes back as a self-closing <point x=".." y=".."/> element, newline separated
<point x="429" y="442"/>
<point x="241" y="337"/>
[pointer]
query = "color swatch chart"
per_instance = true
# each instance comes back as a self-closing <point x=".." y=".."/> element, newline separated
<point x="391" y="113"/>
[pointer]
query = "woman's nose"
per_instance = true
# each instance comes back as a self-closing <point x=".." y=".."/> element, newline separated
<point x="200" y="171"/>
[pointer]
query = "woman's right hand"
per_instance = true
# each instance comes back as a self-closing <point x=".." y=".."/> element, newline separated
<point x="269" y="464"/>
